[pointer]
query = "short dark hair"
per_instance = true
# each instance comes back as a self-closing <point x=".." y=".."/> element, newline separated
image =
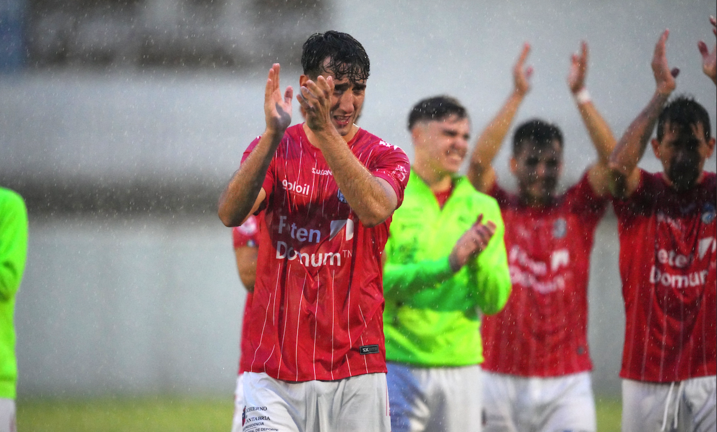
<point x="683" y="111"/>
<point x="436" y="108"/>
<point x="537" y="132"/>
<point x="347" y="57"/>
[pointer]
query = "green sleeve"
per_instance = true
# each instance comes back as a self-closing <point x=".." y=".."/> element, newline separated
<point x="402" y="280"/>
<point x="13" y="242"/>
<point x="490" y="268"/>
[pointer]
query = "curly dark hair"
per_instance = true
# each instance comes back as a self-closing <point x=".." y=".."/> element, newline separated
<point x="436" y="108"/>
<point x="683" y="111"/>
<point x="346" y="56"/>
<point x="537" y="132"/>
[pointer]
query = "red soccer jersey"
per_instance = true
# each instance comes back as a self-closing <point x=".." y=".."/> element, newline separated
<point x="542" y="331"/>
<point x="245" y="235"/>
<point x="318" y="299"/>
<point x="667" y="267"/>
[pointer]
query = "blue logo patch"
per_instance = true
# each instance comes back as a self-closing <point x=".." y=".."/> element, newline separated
<point x="560" y="228"/>
<point x="708" y="213"/>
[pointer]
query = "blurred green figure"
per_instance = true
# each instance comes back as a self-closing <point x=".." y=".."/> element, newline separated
<point x="13" y="252"/>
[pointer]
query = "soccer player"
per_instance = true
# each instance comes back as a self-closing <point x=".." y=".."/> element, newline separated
<point x="666" y="226"/>
<point x="445" y="260"/>
<point x="13" y="253"/>
<point x="246" y="245"/>
<point x="326" y="190"/>
<point x="537" y="363"/>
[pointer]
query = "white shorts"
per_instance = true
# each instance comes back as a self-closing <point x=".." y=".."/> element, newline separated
<point x="513" y="403"/>
<point x="684" y="406"/>
<point x="434" y="399"/>
<point x="7" y="415"/>
<point x="238" y="404"/>
<point x="358" y="403"/>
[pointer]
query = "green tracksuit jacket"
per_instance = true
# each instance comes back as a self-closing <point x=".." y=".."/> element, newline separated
<point x="13" y="252"/>
<point x="432" y="316"/>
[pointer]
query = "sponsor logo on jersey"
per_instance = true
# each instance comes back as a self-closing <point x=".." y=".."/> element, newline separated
<point x="705" y="245"/>
<point x="321" y="172"/>
<point x="708" y="213"/>
<point x="337" y="225"/>
<point x="296" y="188"/>
<point x="560" y="228"/>
<point x="559" y="258"/>
<point x="693" y="279"/>
<point x="300" y="234"/>
<point x="284" y="251"/>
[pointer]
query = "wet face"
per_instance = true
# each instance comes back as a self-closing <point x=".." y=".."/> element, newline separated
<point x="537" y="169"/>
<point x="683" y="153"/>
<point x="442" y="145"/>
<point x="346" y="102"/>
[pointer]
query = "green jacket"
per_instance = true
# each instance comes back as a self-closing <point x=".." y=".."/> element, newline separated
<point x="13" y="252"/>
<point x="431" y="316"/>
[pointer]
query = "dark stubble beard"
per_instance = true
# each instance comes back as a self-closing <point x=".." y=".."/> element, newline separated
<point x="684" y="170"/>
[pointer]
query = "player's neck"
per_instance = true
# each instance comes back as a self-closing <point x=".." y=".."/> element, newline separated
<point x="437" y="182"/>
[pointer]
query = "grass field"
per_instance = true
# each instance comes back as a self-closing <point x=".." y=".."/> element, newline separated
<point x="163" y="414"/>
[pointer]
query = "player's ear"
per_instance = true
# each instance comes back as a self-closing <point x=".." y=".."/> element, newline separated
<point x="513" y="164"/>
<point x="711" y="146"/>
<point x="302" y="80"/>
<point x="655" y="147"/>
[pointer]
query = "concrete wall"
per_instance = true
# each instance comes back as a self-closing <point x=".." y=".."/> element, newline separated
<point x="143" y="299"/>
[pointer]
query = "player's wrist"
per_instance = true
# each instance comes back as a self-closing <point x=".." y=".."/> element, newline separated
<point x="582" y="96"/>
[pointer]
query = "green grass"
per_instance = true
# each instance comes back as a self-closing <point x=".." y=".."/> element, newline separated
<point x="155" y="414"/>
<point x="167" y="414"/>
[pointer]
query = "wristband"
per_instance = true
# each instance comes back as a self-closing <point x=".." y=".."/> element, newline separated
<point x="582" y="96"/>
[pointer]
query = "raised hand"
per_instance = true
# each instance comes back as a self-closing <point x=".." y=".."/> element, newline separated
<point x="664" y="77"/>
<point x="315" y="99"/>
<point x="709" y="59"/>
<point x="277" y="107"/>
<point x="578" y="69"/>
<point x="471" y="243"/>
<point x="522" y="73"/>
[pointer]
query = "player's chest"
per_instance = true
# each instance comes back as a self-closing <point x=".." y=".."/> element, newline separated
<point x="306" y="185"/>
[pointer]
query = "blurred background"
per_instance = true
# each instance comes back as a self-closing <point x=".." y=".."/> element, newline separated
<point x="122" y="120"/>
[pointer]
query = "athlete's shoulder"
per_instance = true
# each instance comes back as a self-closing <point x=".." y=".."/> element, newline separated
<point x="10" y="198"/>
<point x="368" y="139"/>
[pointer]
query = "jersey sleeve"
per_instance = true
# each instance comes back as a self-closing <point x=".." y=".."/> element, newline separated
<point x="246" y="234"/>
<point x="268" y="184"/>
<point x="13" y="242"/>
<point x="401" y="280"/>
<point x="489" y="272"/>
<point x="391" y="164"/>
<point x="638" y="202"/>
<point x="585" y="202"/>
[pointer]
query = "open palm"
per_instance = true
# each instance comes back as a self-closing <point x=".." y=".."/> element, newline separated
<point x="277" y="106"/>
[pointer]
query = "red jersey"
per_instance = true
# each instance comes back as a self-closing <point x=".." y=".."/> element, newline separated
<point x="245" y="235"/>
<point x="542" y="331"/>
<point x="318" y="299"/>
<point x="667" y="267"/>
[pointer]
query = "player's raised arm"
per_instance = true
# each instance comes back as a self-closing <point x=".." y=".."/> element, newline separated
<point x="600" y="133"/>
<point x="372" y="198"/>
<point x="709" y="59"/>
<point x="480" y="171"/>
<point x="625" y="176"/>
<point x="244" y="194"/>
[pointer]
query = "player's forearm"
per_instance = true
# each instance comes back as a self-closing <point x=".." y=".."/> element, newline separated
<point x="367" y="196"/>
<point x="600" y="133"/>
<point x="238" y="199"/>
<point x="490" y="140"/>
<point x="631" y="147"/>
<point x="402" y="280"/>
